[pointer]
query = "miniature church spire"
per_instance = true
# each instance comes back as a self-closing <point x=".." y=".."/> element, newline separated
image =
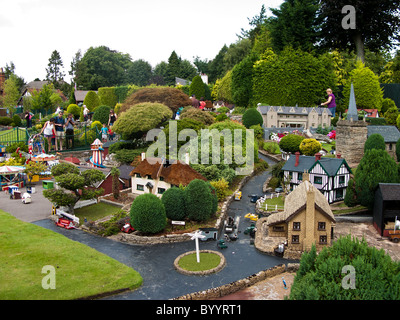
<point x="352" y="114"/>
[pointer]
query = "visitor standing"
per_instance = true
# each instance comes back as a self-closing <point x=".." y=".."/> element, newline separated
<point x="112" y="118"/>
<point x="85" y="113"/>
<point x="331" y="102"/>
<point x="104" y="132"/>
<point x="48" y="130"/>
<point x="69" y="131"/>
<point x="28" y="118"/>
<point x="59" y="125"/>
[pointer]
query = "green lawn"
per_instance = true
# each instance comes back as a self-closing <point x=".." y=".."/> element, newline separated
<point x="80" y="271"/>
<point x="95" y="211"/>
<point x="280" y="201"/>
<point x="207" y="261"/>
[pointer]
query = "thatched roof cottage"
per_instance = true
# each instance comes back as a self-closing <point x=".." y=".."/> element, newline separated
<point x="155" y="175"/>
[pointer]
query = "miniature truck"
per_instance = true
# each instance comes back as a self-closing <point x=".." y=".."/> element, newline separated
<point x="394" y="235"/>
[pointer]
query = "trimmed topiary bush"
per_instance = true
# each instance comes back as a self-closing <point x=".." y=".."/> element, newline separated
<point x="148" y="214"/>
<point x="173" y="200"/>
<point x="198" y="200"/>
<point x="367" y="90"/>
<point x="252" y="117"/>
<point x="91" y="100"/>
<point x="374" y="141"/>
<point x="197" y="87"/>
<point x="291" y="143"/>
<point x="101" y="114"/>
<point x="75" y="110"/>
<point x="310" y="147"/>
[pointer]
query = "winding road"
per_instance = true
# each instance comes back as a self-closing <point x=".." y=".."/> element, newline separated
<point x="155" y="263"/>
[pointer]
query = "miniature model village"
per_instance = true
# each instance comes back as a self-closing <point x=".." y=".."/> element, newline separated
<point x="314" y="184"/>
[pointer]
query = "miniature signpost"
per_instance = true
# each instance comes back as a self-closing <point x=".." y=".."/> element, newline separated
<point x="196" y="236"/>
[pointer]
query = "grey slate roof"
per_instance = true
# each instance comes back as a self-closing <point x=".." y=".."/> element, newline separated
<point x="330" y="165"/>
<point x="389" y="133"/>
<point x="390" y="191"/>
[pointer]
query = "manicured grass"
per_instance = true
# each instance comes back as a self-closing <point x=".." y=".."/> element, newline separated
<point x="208" y="261"/>
<point x="279" y="201"/>
<point x="95" y="211"/>
<point x="80" y="271"/>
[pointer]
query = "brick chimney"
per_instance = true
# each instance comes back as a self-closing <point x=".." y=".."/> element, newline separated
<point x="297" y="158"/>
<point x="317" y="156"/>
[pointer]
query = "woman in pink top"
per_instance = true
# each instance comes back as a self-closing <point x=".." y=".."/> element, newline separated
<point x="331" y="102"/>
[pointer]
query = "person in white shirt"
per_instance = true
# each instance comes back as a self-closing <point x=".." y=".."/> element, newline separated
<point x="48" y="130"/>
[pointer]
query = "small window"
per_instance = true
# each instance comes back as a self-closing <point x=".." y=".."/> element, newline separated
<point x="161" y="190"/>
<point x="321" y="226"/>
<point x="300" y="176"/>
<point x="295" y="239"/>
<point x="390" y="147"/>
<point x="317" y="180"/>
<point x="278" y="228"/>
<point x="323" y="239"/>
<point x="140" y="187"/>
<point x="341" y="179"/>
<point x="138" y="175"/>
<point x="161" y="178"/>
<point x="296" y="226"/>
<point x="149" y="177"/>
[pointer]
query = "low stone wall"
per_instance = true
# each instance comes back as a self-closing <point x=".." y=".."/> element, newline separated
<point x="236" y="286"/>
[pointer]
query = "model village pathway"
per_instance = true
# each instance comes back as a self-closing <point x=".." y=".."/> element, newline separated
<point x="155" y="262"/>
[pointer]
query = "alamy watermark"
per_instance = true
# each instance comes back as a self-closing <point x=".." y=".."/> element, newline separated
<point x="349" y="20"/>
<point x="49" y="281"/>
<point x="237" y="148"/>
<point x="349" y="280"/>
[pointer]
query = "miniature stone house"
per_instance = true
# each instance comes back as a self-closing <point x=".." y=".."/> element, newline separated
<point x="306" y="220"/>
<point x="294" y="117"/>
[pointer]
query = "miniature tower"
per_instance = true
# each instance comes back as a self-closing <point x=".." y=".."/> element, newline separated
<point x="352" y="114"/>
<point x="97" y="157"/>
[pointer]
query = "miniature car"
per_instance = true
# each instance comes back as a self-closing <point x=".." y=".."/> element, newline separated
<point x="26" y="198"/>
<point x="254" y="198"/>
<point x="251" y="216"/>
<point x="278" y="190"/>
<point x="238" y="195"/>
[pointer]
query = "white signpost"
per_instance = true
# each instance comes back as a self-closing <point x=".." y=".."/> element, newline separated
<point x="196" y="236"/>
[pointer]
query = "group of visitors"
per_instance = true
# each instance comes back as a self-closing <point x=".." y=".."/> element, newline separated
<point x="198" y="104"/>
<point x="53" y="130"/>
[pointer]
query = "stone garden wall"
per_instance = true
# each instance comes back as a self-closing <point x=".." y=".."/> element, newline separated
<point x="236" y="286"/>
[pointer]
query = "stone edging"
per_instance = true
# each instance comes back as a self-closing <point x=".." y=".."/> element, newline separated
<point x="204" y="272"/>
<point x="236" y="286"/>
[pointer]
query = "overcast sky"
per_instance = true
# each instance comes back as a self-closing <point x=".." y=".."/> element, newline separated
<point x="150" y="30"/>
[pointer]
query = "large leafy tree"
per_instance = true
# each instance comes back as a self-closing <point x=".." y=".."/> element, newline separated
<point x="102" y="67"/>
<point x="295" y="24"/>
<point x="75" y="185"/>
<point x="54" y="70"/>
<point x="11" y="93"/>
<point x="139" y="73"/>
<point x="377" y="25"/>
